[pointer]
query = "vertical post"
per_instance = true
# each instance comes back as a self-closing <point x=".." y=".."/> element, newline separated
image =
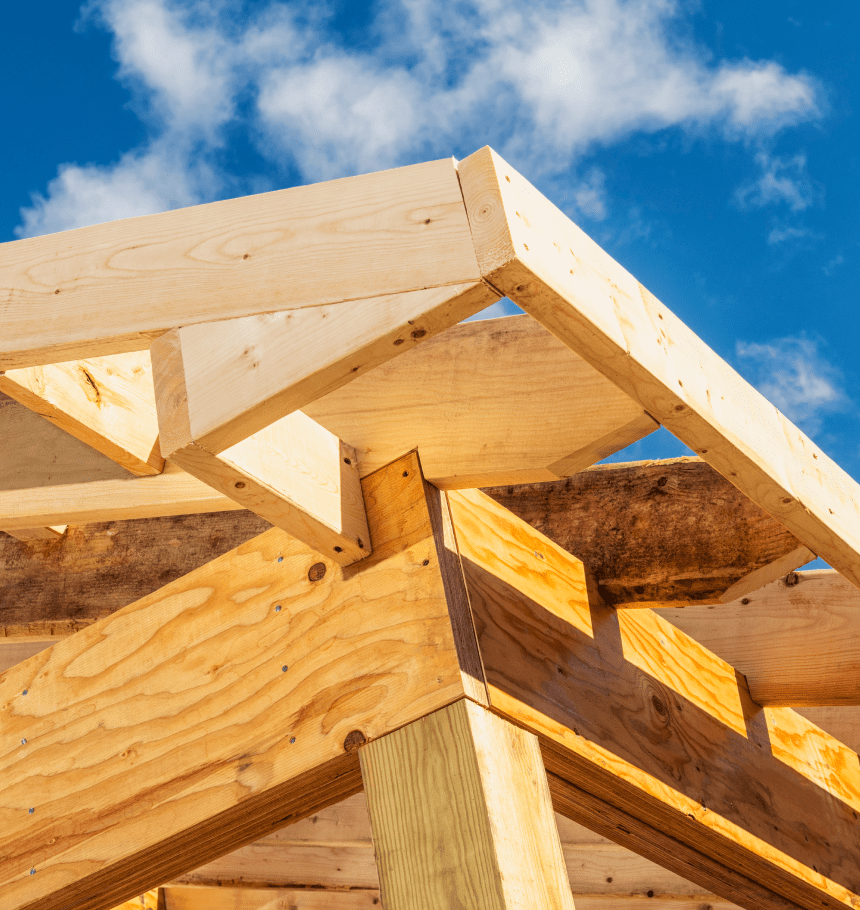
<point x="461" y="816"/>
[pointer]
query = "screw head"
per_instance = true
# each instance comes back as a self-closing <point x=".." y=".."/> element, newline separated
<point x="31" y="811"/>
<point x="25" y="691"/>
<point x="278" y="608"/>
<point x="33" y="871"/>
<point x="284" y="668"/>
<point x="292" y="739"/>
<point x="23" y="742"/>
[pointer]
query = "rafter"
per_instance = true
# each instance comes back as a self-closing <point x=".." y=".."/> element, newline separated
<point x="533" y="253"/>
<point x="78" y="294"/>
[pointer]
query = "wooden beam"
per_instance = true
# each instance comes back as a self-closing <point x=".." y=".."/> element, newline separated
<point x="106" y="402"/>
<point x="115" y="287"/>
<point x="221" y="382"/>
<point x="461" y="815"/>
<point x="226" y="704"/>
<point x="658" y="533"/>
<point x="151" y="900"/>
<point x="296" y="475"/>
<point x="51" y="589"/>
<point x="332" y="852"/>
<point x="531" y="251"/>
<point x="649" y="738"/>
<point x="795" y="640"/>
<point x="52" y="532"/>
<point x="473" y="403"/>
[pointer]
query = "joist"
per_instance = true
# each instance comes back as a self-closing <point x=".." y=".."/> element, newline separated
<point x="226" y="704"/>
<point x="106" y="402"/>
<point x="655" y="533"/>
<point x="650" y="739"/>
<point x="79" y="294"/>
<point x="332" y="852"/>
<point x="480" y="412"/>
<point x="221" y="382"/>
<point x="461" y="815"/>
<point x="531" y="252"/>
<point x="782" y="636"/>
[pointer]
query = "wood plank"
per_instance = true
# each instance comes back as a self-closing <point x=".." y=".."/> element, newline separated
<point x="205" y="716"/>
<point x="649" y="738"/>
<point x="473" y="403"/>
<point x="461" y="815"/>
<point x="106" y="402"/>
<point x="47" y="477"/>
<point x="296" y="475"/>
<point x="333" y="850"/>
<point x="795" y="640"/>
<point x="78" y="294"/>
<point x="151" y="900"/>
<point x="52" y="532"/>
<point x="272" y="899"/>
<point x="531" y="251"/>
<point x="653" y="533"/>
<point x="227" y="898"/>
<point x="227" y="380"/>
<point x="49" y="590"/>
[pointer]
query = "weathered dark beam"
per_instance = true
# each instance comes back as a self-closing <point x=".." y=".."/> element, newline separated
<point x="658" y="533"/>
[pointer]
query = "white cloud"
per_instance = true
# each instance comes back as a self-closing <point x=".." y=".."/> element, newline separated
<point x="794" y="376"/>
<point x="782" y="234"/>
<point x="546" y="83"/>
<point x="782" y="180"/>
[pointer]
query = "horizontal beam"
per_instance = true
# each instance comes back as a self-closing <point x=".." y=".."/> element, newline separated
<point x="656" y="533"/>
<point x="221" y="382"/>
<point x="479" y="411"/>
<point x="52" y="532"/>
<point x="651" y="739"/>
<point x="115" y="287"/>
<point x="224" y="705"/>
<point x="106" y="402"/>
<point x="332" y="851"/>
<point x="531" y="252"/>
<point x="795" y="640"/>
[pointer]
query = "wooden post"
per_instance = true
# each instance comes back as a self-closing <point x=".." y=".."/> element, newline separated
<point x="461" y="816"/>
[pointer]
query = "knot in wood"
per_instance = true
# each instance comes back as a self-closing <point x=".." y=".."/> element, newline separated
<point x="792" y="579"/>
<point x="354" y="739"/>
<point x="317" y="571"/>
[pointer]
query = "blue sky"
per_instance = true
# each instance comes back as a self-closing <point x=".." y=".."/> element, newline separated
<point x="712" y="148"/>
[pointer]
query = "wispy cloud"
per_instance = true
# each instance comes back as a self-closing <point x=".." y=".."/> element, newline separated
<point x="546" y="83"/>
<point x="793" y="374"/>
<point x="781" y="181"/>
<point x="786" y="234"/>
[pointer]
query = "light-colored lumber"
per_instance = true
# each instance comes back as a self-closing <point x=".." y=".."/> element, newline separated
<point x="650" y="739"/>
<point x="654" y="533"/>
<point x="115" y="287"/>
<point x="52" y="532"/>
<point x="273" y="899"/>
<point x="296" y="475"/>
<point x="228" y="898"/>
<point x="47" y="477"/>
<point x="151" y="900"/>
<point x="461" y="815"/>
<point x="795" y="640"/>
<point x="332" y="850"/>
<point x="13" y="651"/>
<point x="106" y="402"/>
<point x="51" y="589"/>
<point x="230" y="379"/>
<point x="488" y="402"/>
<point x="531" y="252"/>
<point x="198" y="718"/>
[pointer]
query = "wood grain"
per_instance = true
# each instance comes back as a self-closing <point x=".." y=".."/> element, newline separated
<point x="115" y="287"/>
<point x="205" y="716"/>
<point x="645" y="722"/>
<point x="461" y="815"/>
<point x="240" y="375"/>
<point x="657" y="532"/>
<point x="477" y="408"/>
<point x="50" y="533"/>
<point x="106" y="402"/>
<point x="795" y="640"/>
<point x="534" y="254"/>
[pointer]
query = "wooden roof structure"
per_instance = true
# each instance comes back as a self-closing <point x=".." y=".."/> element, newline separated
<point x="266" y="644"/>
